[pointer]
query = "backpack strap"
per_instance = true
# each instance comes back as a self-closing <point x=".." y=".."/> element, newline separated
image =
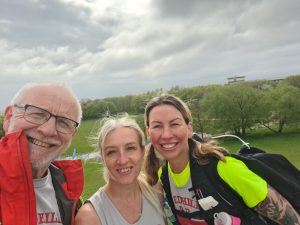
<point x="167" y="189"/>
<point x="199" y="181"/>
<point x="277" y="171"/>
<point x="248" y="215"/>
<point x="166" y="186"/>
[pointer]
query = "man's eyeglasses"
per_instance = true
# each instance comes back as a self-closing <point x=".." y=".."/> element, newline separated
<point x="40" y="116"/>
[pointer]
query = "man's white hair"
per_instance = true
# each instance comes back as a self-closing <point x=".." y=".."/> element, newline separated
<point x="19" y="95"/>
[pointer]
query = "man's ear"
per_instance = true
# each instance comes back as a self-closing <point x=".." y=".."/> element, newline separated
<point x="75" y="132"/>
<point x="7" y="117"/>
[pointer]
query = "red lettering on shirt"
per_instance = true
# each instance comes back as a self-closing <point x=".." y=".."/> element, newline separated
<point x="185" y="201"/>
<point x="48" y="218"/>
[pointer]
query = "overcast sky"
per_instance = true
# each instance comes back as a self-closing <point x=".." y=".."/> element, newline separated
<point x="105" y="48"/>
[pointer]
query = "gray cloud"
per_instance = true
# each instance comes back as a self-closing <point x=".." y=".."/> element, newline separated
<point x="116" y="47"/>
<point x="52" y="24"/>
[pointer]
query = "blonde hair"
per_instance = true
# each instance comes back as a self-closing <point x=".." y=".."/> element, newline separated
<point x="110" y="124"/>
<point x="200" y="151"/>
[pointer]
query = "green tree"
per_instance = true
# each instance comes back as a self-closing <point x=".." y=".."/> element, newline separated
<point x="138" y="103"/>
<point x="234" y="108"/>
<point x="122" y="104"/>
<point x="283" y="102"/>
<point x="92" y="109"/>
<point x="201" y="123"/>
<point x="294" y="80"/>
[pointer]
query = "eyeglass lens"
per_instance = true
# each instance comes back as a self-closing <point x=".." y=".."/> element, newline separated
<point x="40" y="116"/>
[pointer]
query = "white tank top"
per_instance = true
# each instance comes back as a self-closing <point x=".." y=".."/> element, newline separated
<point x="109" y="214"/>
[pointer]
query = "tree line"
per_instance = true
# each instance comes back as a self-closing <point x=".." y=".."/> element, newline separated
<point x="234" y="108"/>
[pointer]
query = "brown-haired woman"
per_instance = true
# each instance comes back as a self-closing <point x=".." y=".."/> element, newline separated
<point x="169" y="128"/>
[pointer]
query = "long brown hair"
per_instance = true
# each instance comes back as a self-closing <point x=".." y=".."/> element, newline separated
<point x="201" y="151"/>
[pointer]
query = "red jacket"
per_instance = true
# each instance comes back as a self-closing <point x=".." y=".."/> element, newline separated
<point x="17" y="196"/>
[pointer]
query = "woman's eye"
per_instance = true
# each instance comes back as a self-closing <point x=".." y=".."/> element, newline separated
<point x="156" y="126"/>
<point x="110" y="152"/>
<point x="131" y="148"/>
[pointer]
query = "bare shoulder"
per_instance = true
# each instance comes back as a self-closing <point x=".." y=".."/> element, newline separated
<point x="87" y="216"/>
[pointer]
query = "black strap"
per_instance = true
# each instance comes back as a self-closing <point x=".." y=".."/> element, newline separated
<point x="166" y="186"/>
<point x="277" y="171"/>
<point x="248" y="215"/>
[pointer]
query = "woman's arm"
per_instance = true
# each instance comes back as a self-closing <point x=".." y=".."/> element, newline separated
<point x="87" y="216"/>
<point x="278" y="209"/>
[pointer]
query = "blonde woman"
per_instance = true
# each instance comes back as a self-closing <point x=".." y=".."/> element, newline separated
<point x="126" y="198"/>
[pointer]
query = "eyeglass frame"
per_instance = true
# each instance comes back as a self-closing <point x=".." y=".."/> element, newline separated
<point x="25" y="106"/>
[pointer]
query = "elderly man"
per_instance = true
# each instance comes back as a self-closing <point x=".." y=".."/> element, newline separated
<point x="39" y="125"/>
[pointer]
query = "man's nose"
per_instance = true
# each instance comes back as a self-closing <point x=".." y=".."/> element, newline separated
<point x="49" y="127"/>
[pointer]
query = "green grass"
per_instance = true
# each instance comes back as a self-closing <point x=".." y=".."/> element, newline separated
<point x="92" y="177"/>
<point x="287" y="144"/>
<point x="81" y="140"/>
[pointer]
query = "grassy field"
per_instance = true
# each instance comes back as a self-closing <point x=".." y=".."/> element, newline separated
<point x="287" y="144"/>
<point x="81" y="141"/>
<point x="92" y="177"/>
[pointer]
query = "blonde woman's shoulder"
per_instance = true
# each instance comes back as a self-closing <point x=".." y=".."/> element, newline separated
<point x="87" y="216"/>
